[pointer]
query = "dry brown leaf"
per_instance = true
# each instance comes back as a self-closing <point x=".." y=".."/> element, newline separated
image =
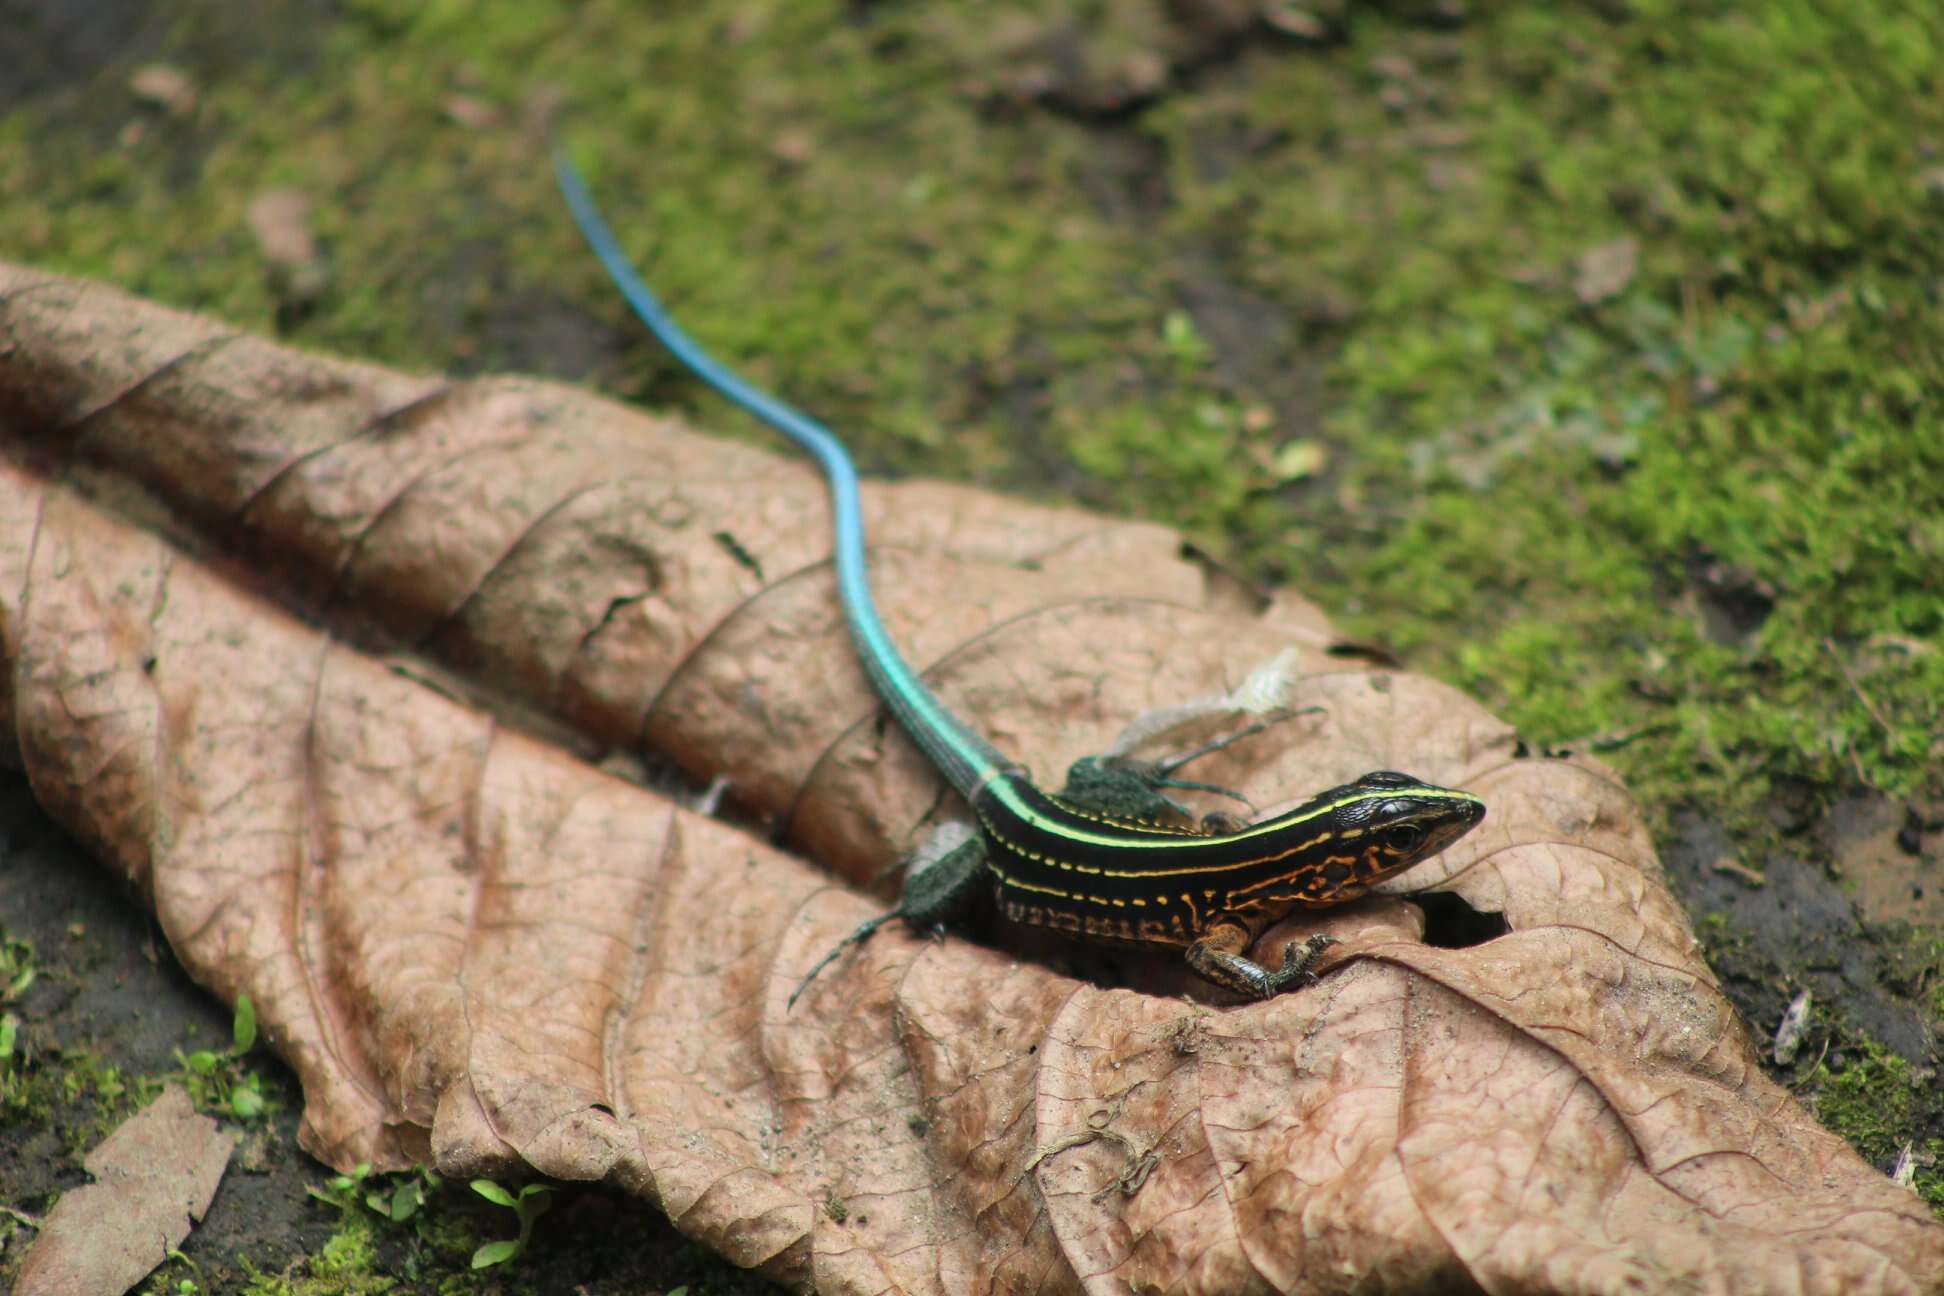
<point x="477" y="950"/>
<point x="153" y="1176"/>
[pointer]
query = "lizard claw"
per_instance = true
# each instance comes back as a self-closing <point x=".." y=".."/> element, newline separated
<point x="1295" y="969"/>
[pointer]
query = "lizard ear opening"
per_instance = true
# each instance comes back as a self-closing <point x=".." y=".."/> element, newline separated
<point x="1451" y="923"/>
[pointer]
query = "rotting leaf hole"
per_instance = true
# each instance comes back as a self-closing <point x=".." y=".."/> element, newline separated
<point x="1374" y="653"/>
<point x="727" y="541"/>
<point x="1451" y="923"/>
<point x="616" y="604"/>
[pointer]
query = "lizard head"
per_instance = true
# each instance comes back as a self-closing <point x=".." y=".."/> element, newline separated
<point x="1354" y="836"/>
<point x="1387" y="821"/>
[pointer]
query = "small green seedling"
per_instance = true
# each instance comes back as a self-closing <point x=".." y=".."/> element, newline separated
<point x="17" y="971"/>
<point x="190" y="1284"/>
<point x="1183" y="341"/>
<point x="16" y="975"/>
<point x="403" y="1200"/>
<point x="215" y="1079"/>
<point x="397" y="1198"/>
<point x="530" y="1205"/>
<point x="345" y="1191"/>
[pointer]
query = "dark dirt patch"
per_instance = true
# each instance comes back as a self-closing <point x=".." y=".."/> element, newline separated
<point x="1256" y="344"/>
<point x="53" y="47"/>
<point x="1825" y="919"/>
<point x="73" y="57"/>
<point x="1800" y="928"/>
<point x="1893" y="857"/>
<point x="1808" y="925"/>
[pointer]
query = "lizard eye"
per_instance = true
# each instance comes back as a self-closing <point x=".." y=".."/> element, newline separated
<point x="1403" y="838"/>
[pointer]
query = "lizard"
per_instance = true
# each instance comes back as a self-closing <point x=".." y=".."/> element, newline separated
<point x="1106" y="858"/>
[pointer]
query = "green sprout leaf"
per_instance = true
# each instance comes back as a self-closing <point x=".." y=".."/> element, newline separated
<point x="244" y="1028"/>
<point x="495" y="1194"/>
<point x="531" y="1203"/>
<point x="246" y="1103"/>
<point x="494" y="1253"/>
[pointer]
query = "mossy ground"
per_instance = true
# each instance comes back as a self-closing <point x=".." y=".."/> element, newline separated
<point x="1585" y="354"/>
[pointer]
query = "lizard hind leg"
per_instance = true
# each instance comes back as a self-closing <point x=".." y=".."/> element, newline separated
<point x="944" y="878"/>
<point x="863" y="933"/>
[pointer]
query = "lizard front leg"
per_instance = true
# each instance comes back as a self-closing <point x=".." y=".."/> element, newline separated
<point x="1218" y="956"/>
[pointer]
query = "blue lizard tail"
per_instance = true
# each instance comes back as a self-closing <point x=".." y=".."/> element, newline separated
<point x="966" y="759"/>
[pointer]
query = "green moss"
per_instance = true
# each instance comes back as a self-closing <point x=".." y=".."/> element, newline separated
<point x="346" y="1265"/>
<point x="1564" y="485"/>
<point x="1868" y="1102"/>
<point x="74" y="1090"/>
<point x="1929" y="1180"/>
<point x="1874" y="1102"/>
<point x="349" y="1251"/>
